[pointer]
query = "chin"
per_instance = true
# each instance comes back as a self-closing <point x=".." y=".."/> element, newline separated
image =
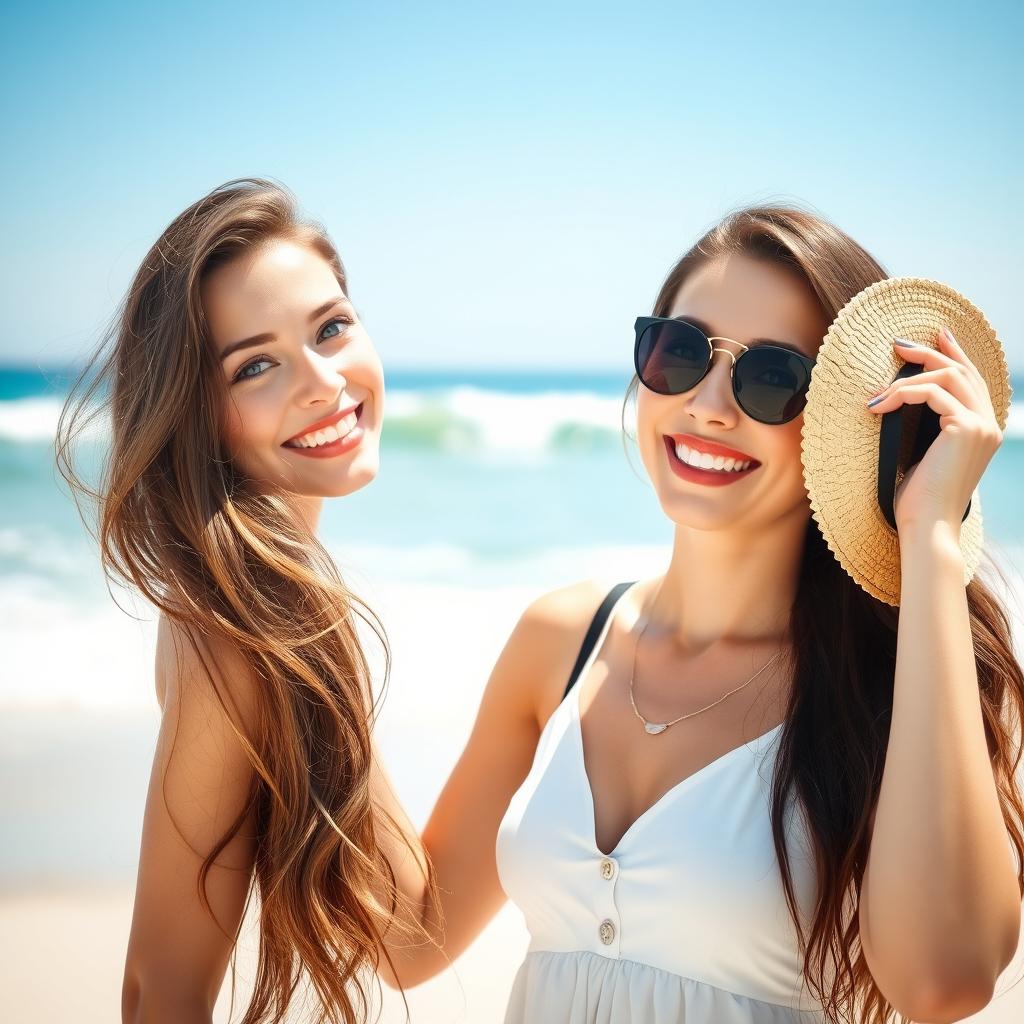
<point x="354" y="479"/>
<point x="320" y="481"/>
<point x="690" y="511"/>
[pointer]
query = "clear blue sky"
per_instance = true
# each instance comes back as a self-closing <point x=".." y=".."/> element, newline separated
<point x="506" y="186"/>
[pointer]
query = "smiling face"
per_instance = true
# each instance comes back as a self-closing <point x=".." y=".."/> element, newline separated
<point x="303" y="382"/>
<point x="743" y="299"/>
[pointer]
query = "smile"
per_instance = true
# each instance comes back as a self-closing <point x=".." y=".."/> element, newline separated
<point x="705" y="468"/>
<point x="334" y="435"/>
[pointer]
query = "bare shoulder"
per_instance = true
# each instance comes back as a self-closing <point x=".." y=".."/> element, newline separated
<point x="199" y="806"/>
<point x="547" y="640"/>
<point x="208" y="671"/>
<point x="202" y="770"/>
<point x="560" y="613"/>
<point x="527" y="679"/>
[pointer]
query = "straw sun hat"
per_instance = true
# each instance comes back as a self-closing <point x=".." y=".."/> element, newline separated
<point x="853" y="458"/>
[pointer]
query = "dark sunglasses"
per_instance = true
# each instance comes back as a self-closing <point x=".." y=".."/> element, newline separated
<point x="672" y="356"/>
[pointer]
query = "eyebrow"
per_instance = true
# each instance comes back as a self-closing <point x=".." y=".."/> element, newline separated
<point x="706" y="328"/>
<point x="263" y="339"/>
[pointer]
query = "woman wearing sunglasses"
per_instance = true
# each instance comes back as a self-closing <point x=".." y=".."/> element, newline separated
<point x="747" y="790"/>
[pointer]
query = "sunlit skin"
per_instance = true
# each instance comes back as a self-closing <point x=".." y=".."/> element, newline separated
<point x="735" y="551"/>
<point x="939" y="912"/>
<point x="315" y="360"/>
<point x="312" y="361"/>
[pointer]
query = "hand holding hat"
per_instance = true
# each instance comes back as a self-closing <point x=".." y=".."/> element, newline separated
<point x="918" y="453"/>
<point x="941" y="485"/>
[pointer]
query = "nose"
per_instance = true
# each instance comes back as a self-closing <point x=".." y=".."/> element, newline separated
<point x="712" y="400"/>
<point x="320" y="379"/>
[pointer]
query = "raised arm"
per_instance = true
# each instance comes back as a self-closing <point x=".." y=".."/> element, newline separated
<point x="177" y="954"/>
<point x="524" y="688"/>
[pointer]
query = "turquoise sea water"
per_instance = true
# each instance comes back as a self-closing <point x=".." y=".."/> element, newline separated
<point x="478" y="472"/>
<point x="493" y="487"/>
<point x="486" y="479"/>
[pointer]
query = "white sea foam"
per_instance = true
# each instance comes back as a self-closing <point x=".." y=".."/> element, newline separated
<point x="61" y="651"/>
<point x="457" y="419"/>
<point x="37" y="549"/>
<point x="68" y="651"/>
<point x="34" y="420"/>
<point x="474" y="419"/>
<point x="454" y="565"/>
<point x="29" y="419"/>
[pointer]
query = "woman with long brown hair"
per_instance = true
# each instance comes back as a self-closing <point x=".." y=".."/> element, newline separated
<point x="748" y="790"/>
<point x="242" y="390"/>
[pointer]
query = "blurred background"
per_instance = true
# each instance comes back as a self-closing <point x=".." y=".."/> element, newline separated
<point x="508" y="188"/>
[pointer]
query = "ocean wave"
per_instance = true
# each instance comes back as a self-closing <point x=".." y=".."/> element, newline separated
<point x="455" y="420"/>
<point x="543" y="567"/>
<point x="466" y="419"/>
<point x="38" y="550"/>
<point x="29" y="419"/>
<point x="103" y="657"/>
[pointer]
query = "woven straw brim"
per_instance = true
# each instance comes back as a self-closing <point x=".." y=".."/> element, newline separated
<point x="839" y="445"/>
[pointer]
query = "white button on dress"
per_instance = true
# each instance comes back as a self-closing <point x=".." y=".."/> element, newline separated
<point x="685" y="919"/>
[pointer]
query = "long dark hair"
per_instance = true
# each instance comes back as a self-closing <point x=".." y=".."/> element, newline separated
<point x="223" y="560"/>
<point x="832" y="747"/>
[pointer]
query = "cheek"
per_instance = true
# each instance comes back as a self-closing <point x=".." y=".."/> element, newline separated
<point x="233" y="428"/>
<point x="366" y="367"/>
<point x="647" y="435"/>
<point x="251" y="421"/>
<point x="787" y="436"/>
<point x="785" y="442"/>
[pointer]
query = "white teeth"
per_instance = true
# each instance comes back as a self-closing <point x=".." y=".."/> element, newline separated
<point x="325" y="435"/>
<point x="704" y="460"/>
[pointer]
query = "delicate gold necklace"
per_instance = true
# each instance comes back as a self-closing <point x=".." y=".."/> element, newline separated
<point x="655" y="728"/>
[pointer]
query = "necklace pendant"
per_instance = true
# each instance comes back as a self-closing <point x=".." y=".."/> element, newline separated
<point x="653" y="728"/>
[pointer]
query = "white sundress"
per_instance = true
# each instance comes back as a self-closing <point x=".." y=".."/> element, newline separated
<point x="685" y="920"/>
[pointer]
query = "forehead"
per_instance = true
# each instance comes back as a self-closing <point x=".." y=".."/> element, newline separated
<point x="742" y="298"/>
<point x="279" y="280"/>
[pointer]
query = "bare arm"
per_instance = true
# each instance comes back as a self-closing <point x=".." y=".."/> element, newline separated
<point x="524" y="687"/>
<point x="177" y="955"/>
<point x="940" y="908"/>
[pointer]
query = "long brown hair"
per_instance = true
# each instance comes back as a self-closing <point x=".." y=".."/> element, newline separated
<point x="833" y="744"/>
<point x="224" y="560"/>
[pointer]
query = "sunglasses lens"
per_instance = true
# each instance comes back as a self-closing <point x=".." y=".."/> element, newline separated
<point x="671" y="357"/>
<point x="771" y="384"/>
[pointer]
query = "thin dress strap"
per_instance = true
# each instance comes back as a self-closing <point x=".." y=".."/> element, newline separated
<point x="596" y="625"/>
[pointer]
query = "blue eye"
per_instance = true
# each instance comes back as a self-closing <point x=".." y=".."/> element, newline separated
<point x="251" y="370"/>
<point x="342" y="323"/>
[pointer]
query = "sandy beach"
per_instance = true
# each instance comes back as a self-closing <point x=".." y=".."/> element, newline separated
<point x="73" y="776"/>
<point x="506" y="190"/>
<point x="63" y="955"/>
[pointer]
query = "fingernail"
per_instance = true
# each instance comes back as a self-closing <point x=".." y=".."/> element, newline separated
<point x="905" y="343"/>
<point x="876" y="400"/>
<point x="949" y="335"/>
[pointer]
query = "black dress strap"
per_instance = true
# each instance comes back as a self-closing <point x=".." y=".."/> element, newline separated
<point x="596" y="625"/>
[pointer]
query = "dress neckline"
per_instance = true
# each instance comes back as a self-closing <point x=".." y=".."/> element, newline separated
<point x="683" y="784"/>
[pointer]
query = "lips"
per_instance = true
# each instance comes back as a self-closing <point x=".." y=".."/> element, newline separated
<point x="327" y="421"/>
<point x="707" y="477"/>
<point x="700" y="444"/>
